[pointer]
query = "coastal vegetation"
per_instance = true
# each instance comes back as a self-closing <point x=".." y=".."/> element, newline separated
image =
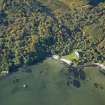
<point x="74" y="56"/>
<point x="31" y="30"/>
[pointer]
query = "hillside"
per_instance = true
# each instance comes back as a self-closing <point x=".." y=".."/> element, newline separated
<point x="31" y="30"/>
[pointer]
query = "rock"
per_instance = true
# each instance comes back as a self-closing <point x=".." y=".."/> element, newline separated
<point x="4" y="73"/>
<point x="24" y="85"/>
<point x="56" y="57"/>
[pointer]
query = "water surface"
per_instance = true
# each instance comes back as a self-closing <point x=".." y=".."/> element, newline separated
<point x="47" y="84"/>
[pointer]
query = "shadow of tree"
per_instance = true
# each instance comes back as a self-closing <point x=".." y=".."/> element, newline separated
<point x="3" y="16"/>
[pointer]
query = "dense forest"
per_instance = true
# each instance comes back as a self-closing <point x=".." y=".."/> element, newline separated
<point x="31" y="30"/>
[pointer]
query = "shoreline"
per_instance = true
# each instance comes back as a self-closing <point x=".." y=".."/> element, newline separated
<point x="69" y="62"/>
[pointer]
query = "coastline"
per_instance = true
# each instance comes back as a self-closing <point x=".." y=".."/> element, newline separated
<point x="4" y="74"/>
<point x="69" y="62"/>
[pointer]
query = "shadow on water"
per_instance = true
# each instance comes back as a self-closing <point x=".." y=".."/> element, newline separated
<point x="82" y="75"/>
<point x="75" y="76"/>
<point x="76" y="83"/>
